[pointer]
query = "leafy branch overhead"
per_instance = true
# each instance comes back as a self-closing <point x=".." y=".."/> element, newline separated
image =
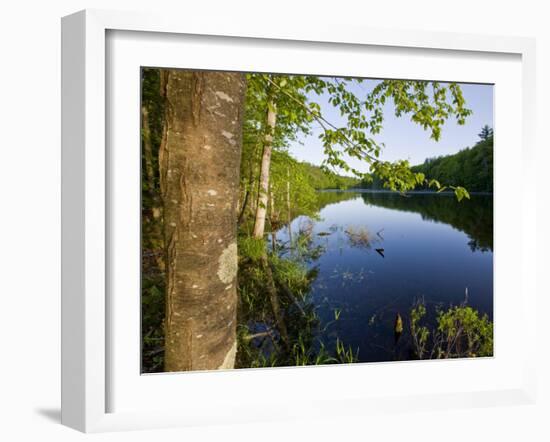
<point x="427" y="103"/>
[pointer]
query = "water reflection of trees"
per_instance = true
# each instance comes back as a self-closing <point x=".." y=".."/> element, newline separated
<point x="474" y="217"/>
<point x="326" y="198"/>
<point x="291" y="333"/>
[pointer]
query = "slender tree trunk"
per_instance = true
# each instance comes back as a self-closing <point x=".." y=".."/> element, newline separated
<point x="274" y="242"/>
<point x="288" y="208"/>
<point x="249" y="186"/>
<point x="272" y="220"/>
<point x="245" y="203"/>
<point x="147" y="148"/>
<point x="199" y="164"/>
<point x="263" y="190"/>
<point x="154" y="229"/>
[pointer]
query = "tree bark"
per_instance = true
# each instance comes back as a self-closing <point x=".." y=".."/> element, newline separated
<point x="199" y="164"/>
<point x="147" y="148"/>
<point x="273" y="221"/>
<point x="288" y="208"/>
<point x="263" y="190"/>
<point x="248" y="189"/>
<point x="153" y="229"/>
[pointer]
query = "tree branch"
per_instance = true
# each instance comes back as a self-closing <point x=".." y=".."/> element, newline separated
<point x="323" y="122"/>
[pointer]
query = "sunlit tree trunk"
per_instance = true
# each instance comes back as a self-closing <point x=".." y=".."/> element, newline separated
<point x="273" y="220"/>
<point x="288" y="208"/>
<point x="199" y="162"/>
<point x="249" y="190"/>
<point x="263" y="190"/>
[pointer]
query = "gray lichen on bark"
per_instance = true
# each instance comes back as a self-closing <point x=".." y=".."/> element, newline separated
<point x="227" y="270"/>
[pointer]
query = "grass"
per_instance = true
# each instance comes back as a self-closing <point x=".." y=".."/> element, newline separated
<point x="251" y="248"/>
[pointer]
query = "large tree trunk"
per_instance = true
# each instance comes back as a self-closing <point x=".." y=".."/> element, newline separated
<point x="263" y="191"/>
<point x="199" y="164"/>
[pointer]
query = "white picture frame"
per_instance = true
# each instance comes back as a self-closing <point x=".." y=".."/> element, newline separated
<point x="87" y="203"/>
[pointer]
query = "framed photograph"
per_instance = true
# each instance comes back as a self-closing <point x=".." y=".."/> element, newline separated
<point x="270" y="223"/>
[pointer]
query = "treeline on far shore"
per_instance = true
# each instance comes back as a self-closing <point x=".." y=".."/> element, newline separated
<point x="471" y="168"/>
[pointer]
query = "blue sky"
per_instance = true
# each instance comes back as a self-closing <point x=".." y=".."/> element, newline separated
<point x="403" y="138"/>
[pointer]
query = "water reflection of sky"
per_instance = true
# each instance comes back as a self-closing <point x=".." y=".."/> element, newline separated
<point x="422" y="258"/>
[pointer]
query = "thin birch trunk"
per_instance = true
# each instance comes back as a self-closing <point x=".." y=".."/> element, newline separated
<point x="272" y="220"/>
<point x="288" y="208"/>
<point x="249" y="186"/>
<point x="263" y="190"/>
<point x="147" y="148"/>
<point x="154" y="227"/>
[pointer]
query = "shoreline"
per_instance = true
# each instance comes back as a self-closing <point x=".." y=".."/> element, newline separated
<point x="412" y="192"/>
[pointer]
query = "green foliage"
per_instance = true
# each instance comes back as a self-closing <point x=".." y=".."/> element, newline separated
<point x="293" y="186"/>
<point x="293" y="285"/>
<point x="303" y="354"/>
<point x="460" y="192"/>
<point x="486" y="133"/>
<point x="292" y="183"/>
<point x="321" y="178"/>
<point x="247" y="352"/>
<point x="152" y="303"/>
<point x="287" y="174"/>
<point x="426" y="103"/>
<point x="419" y="333"/>
<point x="397" y="175"/>
<point x="293" y="191"/>
<point x="345" y="355"/>
<point x="152" y="256"/>
<point x="464" y="333"/>
<point x="251" y="248"/>
<point x="154" y="104"/>
<point x="460" y="332"/>
<point x="470" y="169"/>
<point x="429" y="104"/>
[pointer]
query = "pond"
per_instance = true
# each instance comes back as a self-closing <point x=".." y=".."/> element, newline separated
<point x="382" y="251"/>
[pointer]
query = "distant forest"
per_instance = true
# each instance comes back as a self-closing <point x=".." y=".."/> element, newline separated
<point x="471" y="168"/>
<point x="322" y="179"/>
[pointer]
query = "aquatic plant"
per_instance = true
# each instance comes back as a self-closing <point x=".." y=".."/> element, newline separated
<point x="460" y="332"/>
<point x="345" y="355"/>
<point x="359" y="237"/>
<point x="419" y="333"/>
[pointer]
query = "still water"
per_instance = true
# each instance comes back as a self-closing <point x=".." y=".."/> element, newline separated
<point x="382" y="251"/>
